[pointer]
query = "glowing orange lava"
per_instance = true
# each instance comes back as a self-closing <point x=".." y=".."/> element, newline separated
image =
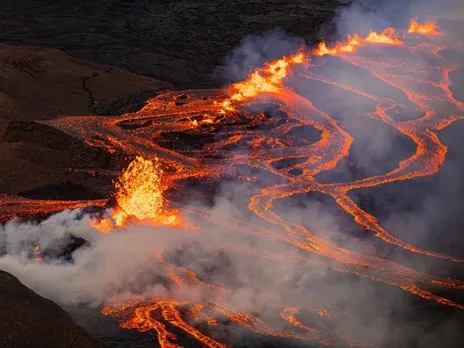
<point x="387" y="37"/>
<point x="428" y="28"/>
<point x="141" y="188"/>
<point x="139" y="197"/>
<point x="37" y="255"/>
<point x="324" y="155"/>
<point x="141" y="318"/>
<point x="266" y="80"/>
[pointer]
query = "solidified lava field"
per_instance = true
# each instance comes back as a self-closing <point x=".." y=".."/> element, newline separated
<point x="259" y="201"/>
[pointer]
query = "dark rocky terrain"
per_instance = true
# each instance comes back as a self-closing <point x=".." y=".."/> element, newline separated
<point x="173" y="44"/>
<point x="181" y="42"/>
<point x="39" y="83"/>
<point x="28" y="320"/>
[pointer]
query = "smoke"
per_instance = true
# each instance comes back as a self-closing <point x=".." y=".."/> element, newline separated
<point x="259" y="270"/>
<point x="255" y="50"/>
<point x="416" y="209"/>
<point x="365" y="15"/>
<point x="125" y="262"/>
<point x="123" y="265"/>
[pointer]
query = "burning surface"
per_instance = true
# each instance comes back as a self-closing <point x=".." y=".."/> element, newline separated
<point x="191" y="294"/>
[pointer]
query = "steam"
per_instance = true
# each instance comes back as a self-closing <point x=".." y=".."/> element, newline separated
<point x="255" y="50"/>
<point x="124" y="262"/>
<point x="97" y="272"/>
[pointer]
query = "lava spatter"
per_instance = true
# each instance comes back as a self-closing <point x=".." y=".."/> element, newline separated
<point x="266" y="80"/>
<point x="139" y="197"/>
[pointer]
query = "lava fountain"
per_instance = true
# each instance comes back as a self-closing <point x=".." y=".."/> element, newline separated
<point x="139" y="198"/>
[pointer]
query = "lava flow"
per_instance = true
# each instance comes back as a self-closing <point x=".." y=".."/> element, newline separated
<point x="387" y="37"/>
<point x="227" y="134"/>
<point x="428" y="28"/>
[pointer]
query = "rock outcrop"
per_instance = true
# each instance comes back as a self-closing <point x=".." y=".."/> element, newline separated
<point x="28" y="320"/>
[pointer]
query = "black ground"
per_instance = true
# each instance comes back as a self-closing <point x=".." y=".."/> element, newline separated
<point x="182" y="42"/>
<point x="30" y="321"/>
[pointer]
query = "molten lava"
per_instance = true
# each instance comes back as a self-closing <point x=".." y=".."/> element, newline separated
<point x="428" y="28"/>
<point x="141" y="188"/>
<point x="139" y="197"/>
<point x="266" y="80"/>
<point x="387" y="37"/>
<point x="37" y="254"/>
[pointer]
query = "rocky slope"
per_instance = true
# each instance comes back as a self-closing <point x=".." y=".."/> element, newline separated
<point x="30" y="321"/>
<point x="177" y="41"/>
<point x="39" y="83"/>
<point x="181" y="42"/>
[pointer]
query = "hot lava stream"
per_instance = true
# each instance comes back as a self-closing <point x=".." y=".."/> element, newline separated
<point x="142" y="188"/>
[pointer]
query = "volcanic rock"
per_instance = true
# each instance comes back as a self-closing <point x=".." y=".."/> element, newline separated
<point x="28" y="320"/>
<point x="39" y="83"/>
<point x="177" y="41"/>
<point x="182" y="42"/>
<point x="43" y="162"/>
<point x="42" y="83"/>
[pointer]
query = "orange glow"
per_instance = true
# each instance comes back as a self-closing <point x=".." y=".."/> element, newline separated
<point x="206" y="120"/>
<point x="37" y="257"/>
<point x="323" y="50"/>
<point x="266" y="80"/>
<point x="387" y="37"/>
<point x="139" y="197"/>
<point x="428" y="28"/>
<point x="140" y="318"/>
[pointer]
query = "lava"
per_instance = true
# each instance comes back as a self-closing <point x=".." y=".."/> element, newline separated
<point x="139" y="197"/>
<point x="266" y="80"/>
<point x="142" y="320"/>
<point x="387" y="37"/>
<point x="141" y="190"/>
<point x="37" y="254"/>
<point x="428" y="28"/>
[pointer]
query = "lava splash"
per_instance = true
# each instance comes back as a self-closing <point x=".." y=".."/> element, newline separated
<point x="139" y="198"/>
